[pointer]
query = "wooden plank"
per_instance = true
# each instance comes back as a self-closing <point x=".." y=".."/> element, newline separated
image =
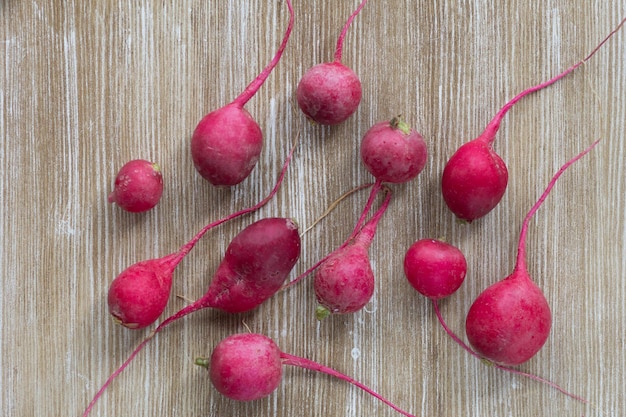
<point x="86" y="86"/>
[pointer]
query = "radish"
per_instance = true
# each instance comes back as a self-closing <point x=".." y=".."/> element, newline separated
<point x="344" y="282"/>
<point x="329" y="93"/>
<point x="435" y="268"/>
<point x="227" y="142"/>
<point x="510" y="321"/>
<point x="248" y="367"/>
<point x="256" y="263"/>
<point x="138" y="186"/>
<point x="475" y="177"/>
<point x="139" y="294"/>
<point x="393" y="152"/>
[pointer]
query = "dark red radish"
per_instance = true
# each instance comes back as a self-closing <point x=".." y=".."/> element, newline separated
<point x="249" y="366"/>
<point x="138" y="186"/>
<point x="393" y="152"/>
<point x="256" y="263"/>
<point x="436" y="269"/>
<point x="329" y="93"/>
<point x="344" y="282"/>
<point x="475" y="177"/>
<point x="510" y="321"/>
<point x="227" y="142"/>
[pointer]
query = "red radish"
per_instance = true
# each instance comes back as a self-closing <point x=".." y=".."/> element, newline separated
<point x="393" y="152"/>
<point x="256" y="263"/>
<point x="475" y="177"/>
<point x="138" y="295"/>
<point x="435" y="268"/>
<point x="330" y="92"/>
<point x="138" y="186"/>
<point x="344" y="282"/>
<point x="510" y="321"/>
<point x="227" y="142"/>
<point x="248" y="367"/>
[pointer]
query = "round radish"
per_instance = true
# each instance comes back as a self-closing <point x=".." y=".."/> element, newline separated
<point x="245" y="367"/>
<point x="434" y="268"/>
<point x="510" y="321"/>
<point x="248" y="366"/>
<point x="329" y="93"/>
<point x="227" y="143"/>
<point x="138" y="186"/>
<point x="393" y="152"/>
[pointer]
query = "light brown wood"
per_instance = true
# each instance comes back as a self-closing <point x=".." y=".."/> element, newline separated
<point x="86" y="86"/>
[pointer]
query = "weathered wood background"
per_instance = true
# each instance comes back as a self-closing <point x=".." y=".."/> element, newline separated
<point x="87" y="85"/>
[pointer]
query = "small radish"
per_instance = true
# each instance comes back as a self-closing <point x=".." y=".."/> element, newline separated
<point x="227" y="142"/>
<point x="475" y="178"/>
<point x="435" y="268"/>
<point x="330" y="92"/>
<point x="249" y="366"/>
<point x="139" y="294"/>
<point x="393" y="152"/>
<point x="510" y="321"/>
<point x="138" y="186"/>
<point x="344" y="282"/>
<point x="256" y="263"/>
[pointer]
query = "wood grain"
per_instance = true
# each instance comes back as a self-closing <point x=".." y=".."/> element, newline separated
<point x="86" y="86"/>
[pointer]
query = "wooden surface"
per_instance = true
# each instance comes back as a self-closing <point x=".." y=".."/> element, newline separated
<point x="86" y="86"/>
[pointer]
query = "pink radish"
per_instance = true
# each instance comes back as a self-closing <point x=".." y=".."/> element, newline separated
<point x="138" y="186"/>
<point x="227" y="142"/>
<point x="475" y="177"/>
<point x="329" y="93"/>
<point x="139" y="294"/>
<point x="249" y="366"/>
<point x="435" y="268"/>
<point x="256" y="263"/>
<point x="393" y="152"/>
<point x="510" y="321"/>
<point x="344" y="282"/>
